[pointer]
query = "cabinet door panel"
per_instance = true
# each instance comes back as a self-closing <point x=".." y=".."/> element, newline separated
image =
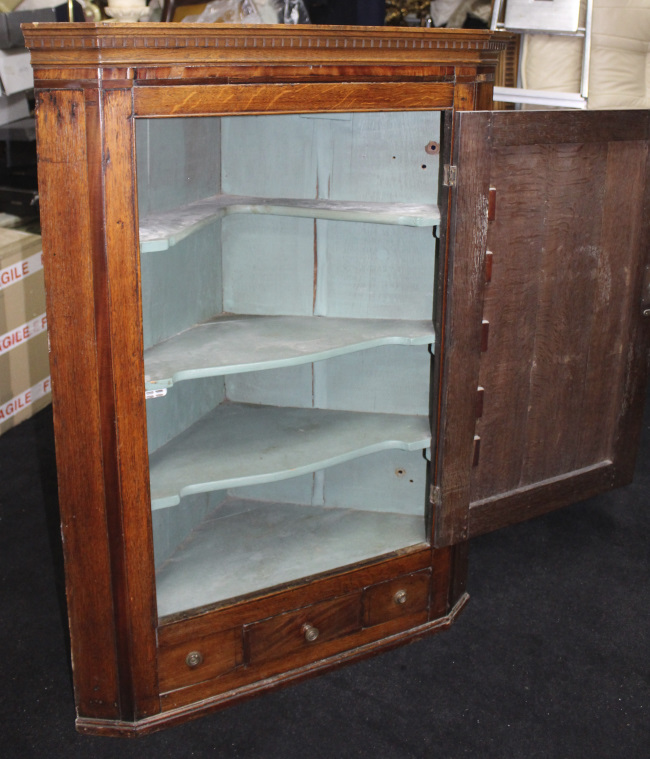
<point x="564" y="372"/>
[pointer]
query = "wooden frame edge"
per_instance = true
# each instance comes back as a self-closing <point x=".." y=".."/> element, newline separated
<point x="116" y="728"/>
<point x="535" y="500"/>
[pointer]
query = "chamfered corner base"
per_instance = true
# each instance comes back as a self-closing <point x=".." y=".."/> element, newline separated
<point x="124" y="729"/>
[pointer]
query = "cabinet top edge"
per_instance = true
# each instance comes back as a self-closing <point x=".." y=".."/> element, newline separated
<point x="146" y="43"/>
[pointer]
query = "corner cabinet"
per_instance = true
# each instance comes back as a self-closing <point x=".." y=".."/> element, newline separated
<point x="314" y="324"/>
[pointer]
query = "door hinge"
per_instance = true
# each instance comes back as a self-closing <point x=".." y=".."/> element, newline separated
<point x="492" y="204"/>
<point x="435" y="496"/>
<point x="450" y="175"/>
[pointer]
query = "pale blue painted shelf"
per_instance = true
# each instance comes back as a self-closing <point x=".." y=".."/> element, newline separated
<point x="161" y="231"/>
<point x="235" y="550"/>
<point x="247" y="444"/>
<point x="234" y="344"/>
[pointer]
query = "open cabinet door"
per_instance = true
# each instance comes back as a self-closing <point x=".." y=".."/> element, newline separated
<point x="544" y="337"/>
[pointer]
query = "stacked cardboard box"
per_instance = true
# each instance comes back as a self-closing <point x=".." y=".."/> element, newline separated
<point x="24" y="362"/>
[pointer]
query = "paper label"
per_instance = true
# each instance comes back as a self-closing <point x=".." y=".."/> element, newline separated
<point x="21" y="269"/>
<point x="21" y="334"/>
<point x="25" y="399"/>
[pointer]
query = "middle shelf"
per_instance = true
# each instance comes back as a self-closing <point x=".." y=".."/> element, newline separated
<point x="233" y="344"/>
<point x="248" y="444"/>
<point x="161" y="231"/>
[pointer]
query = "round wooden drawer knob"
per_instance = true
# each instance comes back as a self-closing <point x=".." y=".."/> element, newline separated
<point x="400" y="597"/>
<point x="310" y="632"/>
<point x="193" y="659"/>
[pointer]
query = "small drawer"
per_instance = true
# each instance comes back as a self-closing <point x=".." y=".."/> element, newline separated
<point x="201" y="659"/>
<point x="302" y="629"/>
<point x="396" y="598"/>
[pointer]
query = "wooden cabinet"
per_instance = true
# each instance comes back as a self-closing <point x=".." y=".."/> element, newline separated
<point x="314" y="325"/>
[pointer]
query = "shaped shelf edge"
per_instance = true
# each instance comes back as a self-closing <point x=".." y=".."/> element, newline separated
<point x="161" y="231"/>
<point x="236" y="344"/>
<point x="241" y="444"/>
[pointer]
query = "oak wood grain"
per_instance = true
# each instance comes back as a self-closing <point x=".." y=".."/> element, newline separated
<point x="287" y="634"/>
<point x="510" y="304"/>
<point x="181" y="707"/>
<point x="213" y="656"/>
<point x="92" y="80"/>
<point x="64" y="186"/>
<point x="568" y="351"/>
<point x="116" y="45"/>
<point x="396" y="598"/>
<point x="461" y="330"/>
<point x="174" y="630"/>
<point x="565" y="127"/>
<point x="539" y="498"/>
<point x="124" y="333"/>
<point x="219" y="99"/>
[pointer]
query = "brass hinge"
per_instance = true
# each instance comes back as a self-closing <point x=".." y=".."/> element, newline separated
<point x="450" y="175"/>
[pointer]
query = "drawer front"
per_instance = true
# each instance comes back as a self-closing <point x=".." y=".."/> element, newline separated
<point x="396" y="598"/>
<point x="302" y="629"/>
<point x="199" y="659"/>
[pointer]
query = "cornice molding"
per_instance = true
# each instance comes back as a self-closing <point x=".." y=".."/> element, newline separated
<point x="109" y="43"/>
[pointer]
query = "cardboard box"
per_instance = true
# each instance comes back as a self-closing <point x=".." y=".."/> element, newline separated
<point x="25" y="386"/>
<point x="13" y="107"/>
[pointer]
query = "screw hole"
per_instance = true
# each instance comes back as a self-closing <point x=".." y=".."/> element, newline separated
<point x="400" y="472"/>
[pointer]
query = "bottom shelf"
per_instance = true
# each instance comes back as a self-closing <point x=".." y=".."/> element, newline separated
<point x="246" y="546"/>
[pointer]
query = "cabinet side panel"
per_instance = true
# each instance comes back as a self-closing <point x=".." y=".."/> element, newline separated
<point x="64" y="194"/>
<point x="178" y="162"/>
<point x="181" y="286"/>
<point x="132" y="549"/>
<point x="183" y="405"/>
<point x="172" y="526"/>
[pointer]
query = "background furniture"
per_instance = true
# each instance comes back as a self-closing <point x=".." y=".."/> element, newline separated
<point x="617" y="61"/>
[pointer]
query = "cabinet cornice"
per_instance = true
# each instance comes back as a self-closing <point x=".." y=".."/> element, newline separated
<point x="107" y="44"/>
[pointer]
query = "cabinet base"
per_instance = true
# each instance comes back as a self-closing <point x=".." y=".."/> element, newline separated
<point x="119" y="728"/>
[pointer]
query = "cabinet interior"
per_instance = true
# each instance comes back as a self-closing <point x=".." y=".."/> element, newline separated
<point x="287" y="274"/>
